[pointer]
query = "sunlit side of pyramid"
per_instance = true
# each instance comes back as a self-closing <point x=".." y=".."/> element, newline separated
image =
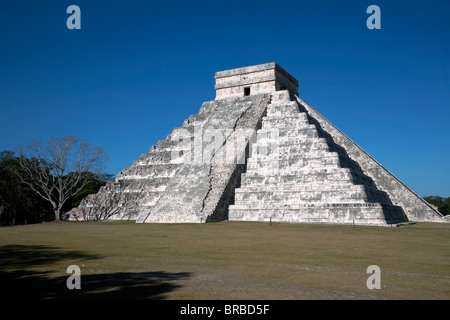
<point x="257" y="153"/>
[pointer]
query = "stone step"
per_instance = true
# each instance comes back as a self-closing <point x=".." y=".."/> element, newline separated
<point x="156" y="157"/>
<point x="316" y="144"/>
<point x="294" y="203"/>
<point x="129" y="183"/>
<point x="283" y="105"/>
<point x="308" y="171"/>
<point x="301" y="133"/>
<point x="287" y="198"/>
<point x="300" y="187"/>
<point x="290" y="191"/>
<point x="137" y="174"/>
<point x="308" y="154"/>
<point x="123" y="199"/>
<point x="294" y="145"/>
<point x="274" y="177"/>
<point x="275" y="113"/>
<point x="297" y="162"/>
<point x="320" y="205"/>
<point x="373" y="194"/>
<point x="351" y="213"/>
<point x="289" y="168"/>
<point x="108" y="212"/>
<point x="289" y="114"/>
<point x="151" y="170"/>
<point x="285" y="124"/>
<point x="294" y="163"/>
<point x="135" y="185"/>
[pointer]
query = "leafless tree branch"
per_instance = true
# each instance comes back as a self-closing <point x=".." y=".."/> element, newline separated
<point x="56" y="171"/>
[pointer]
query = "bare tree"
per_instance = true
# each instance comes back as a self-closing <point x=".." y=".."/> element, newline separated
<point x="56" y="171"/>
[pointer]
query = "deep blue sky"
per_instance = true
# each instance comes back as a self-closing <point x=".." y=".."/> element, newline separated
<point x="137" y="69"/>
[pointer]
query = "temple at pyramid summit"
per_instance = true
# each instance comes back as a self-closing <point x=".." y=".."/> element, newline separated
<point x="256" y="153"/>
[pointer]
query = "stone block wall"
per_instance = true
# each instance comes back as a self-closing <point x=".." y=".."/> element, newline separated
<point x="264" y="78"/>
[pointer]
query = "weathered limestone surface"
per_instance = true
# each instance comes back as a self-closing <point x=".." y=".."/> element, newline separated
<point x="201" y="192"/>
<point x="257" y="153"/>
<point x="413" y="205"/>
<point x="306" y="176"/>
<point x="263" y="78"/>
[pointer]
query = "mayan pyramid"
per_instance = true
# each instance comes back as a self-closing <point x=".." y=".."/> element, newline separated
<point x="256" y="153"/>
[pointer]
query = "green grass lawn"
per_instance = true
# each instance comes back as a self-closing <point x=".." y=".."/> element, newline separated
<point x="226" y="260"/>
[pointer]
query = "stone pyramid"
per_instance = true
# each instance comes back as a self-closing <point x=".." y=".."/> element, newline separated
<point x="256" y="153"/>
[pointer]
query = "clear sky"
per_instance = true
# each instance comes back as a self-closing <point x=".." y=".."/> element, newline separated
<point x="137" y="69"/>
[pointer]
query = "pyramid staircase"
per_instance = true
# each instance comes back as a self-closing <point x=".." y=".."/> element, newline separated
<point x="297" y="173"/>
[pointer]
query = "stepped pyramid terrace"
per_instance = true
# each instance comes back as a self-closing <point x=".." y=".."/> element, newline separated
<point x="257" y="152"/>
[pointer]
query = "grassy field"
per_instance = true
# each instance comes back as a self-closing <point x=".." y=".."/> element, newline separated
<point x="226" y="260"/>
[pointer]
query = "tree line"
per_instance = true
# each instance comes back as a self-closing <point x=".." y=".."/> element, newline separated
<point x="442" y="204"/>
<point x="41" y="181"/>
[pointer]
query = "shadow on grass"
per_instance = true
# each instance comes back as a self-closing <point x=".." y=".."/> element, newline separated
<point x="20" y="280"/>
<point x="15" y="257"/>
